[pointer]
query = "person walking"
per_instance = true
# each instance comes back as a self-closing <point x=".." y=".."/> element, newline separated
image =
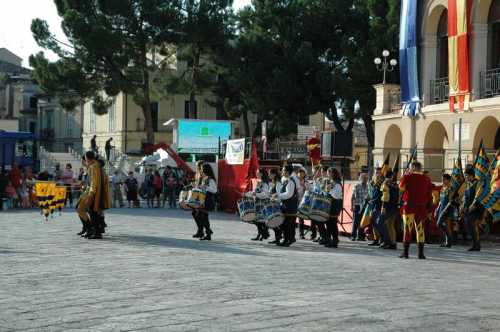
<point x="170" y="187"/>
<point x="157" y="187"/>
<point x="358" y="200"/>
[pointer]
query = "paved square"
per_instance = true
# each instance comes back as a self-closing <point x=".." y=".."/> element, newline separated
<point x="148" y="274"/>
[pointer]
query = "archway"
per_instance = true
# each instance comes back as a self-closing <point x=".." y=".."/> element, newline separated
<point x="393" y="142"/>
<point x="435" y="144"/>
<point x="487" y="130"/>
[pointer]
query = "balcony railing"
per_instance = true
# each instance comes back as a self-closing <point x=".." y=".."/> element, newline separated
<point x="490" y="83"/>
<point x="395" y="101"/>
<point x="440" y="90"/>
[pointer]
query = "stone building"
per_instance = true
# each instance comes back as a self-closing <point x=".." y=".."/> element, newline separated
<point x="435" y="130"/>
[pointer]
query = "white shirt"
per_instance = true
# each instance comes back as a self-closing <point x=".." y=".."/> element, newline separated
<point x="212" y="186"/>
<point x="289" y="190"/>
<point x="262" y="191"/>
<point x="336" y="191"/>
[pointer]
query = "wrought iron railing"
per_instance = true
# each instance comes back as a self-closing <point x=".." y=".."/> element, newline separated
<point x="490" y="83"/>
<point x="440" y="90"/>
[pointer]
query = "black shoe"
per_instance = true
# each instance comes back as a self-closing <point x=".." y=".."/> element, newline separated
<point x="302" y="237"/>
<point x="362" y="239"/>
<point x="198" y="234"/>
<point x="274" y="242"/>
<point x="374" y="243"/>
<point x="207" y="237"/>
<point x="475" y="247"/>
<point x="293" y="240"/>
<point x="353" y="239"/>
<point x="406" y="250"/>
<point x="390" y="246"/>
<point x="331" y="244"/>
<point x="265" y="236"/>
<point x="82" y="232"/>
<point x="284" y="244"/>
<point x="257" y="238"/>
<point x="316" y="239"/>
<point x="421" y="251"/>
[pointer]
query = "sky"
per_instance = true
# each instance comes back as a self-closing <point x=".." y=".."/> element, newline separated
<point x="15" y="22"/>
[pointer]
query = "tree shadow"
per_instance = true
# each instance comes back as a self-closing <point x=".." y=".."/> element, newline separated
<point x="209" y="246"/>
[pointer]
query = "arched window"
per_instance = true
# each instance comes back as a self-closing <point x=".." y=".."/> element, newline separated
<point x="442" y="46"/>
<point x="494" y="35"/>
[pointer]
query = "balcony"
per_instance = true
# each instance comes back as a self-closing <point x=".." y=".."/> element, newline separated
<point x="395" y="101"/>
<point x="490" y="83"/>
<point x="440" y="91"/>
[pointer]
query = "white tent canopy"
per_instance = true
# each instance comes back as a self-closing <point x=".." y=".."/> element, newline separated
<point x="159" y="159"/>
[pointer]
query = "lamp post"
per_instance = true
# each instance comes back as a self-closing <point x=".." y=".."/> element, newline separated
<point x="383" y="65"/>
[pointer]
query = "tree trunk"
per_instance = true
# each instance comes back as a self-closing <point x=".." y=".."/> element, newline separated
<point x="194" y="83"/>
<point x="246" y="124"/>
<point x="146" y="110"/>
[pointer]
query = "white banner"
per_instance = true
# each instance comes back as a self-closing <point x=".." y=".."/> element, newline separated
<point x="235" y="151"/>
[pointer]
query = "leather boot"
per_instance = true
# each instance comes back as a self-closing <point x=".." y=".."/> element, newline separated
<point x="475" y="247"/>
<point x="421" y="251"/>
<point x="406" y="250"/>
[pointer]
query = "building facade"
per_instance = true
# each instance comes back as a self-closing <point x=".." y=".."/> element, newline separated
<point x="435" y="130"/>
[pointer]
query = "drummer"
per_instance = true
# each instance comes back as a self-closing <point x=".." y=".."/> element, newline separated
<point x="261" y="194"/>
<point x="289" y="201"/>
<point x="315" y="187"/>
<point x="336" y="194"/>
<point x="324" y="187"/>
<point x="302" y="187"/>
<point x="274" y="188"/>
<point x="196" y="184"/>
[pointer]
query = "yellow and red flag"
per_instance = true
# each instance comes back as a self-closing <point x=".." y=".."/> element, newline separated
<point x="459" y="12"/>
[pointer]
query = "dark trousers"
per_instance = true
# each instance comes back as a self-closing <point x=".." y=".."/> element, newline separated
<point x="332" y="230"/>
<point x="301" y="227"/>
<point x="357" y="233"/>
<point x="288" y="228"/>
<point x="321" y="229"/>
<point x="262" y="229"/>
<point x="204" y="221"/>
<point x="69" y="195"/>
<point x="314" y="229"/>
<point x="197" y="220"/>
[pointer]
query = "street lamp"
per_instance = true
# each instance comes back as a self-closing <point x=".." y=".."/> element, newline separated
<point x="383" y="65"/>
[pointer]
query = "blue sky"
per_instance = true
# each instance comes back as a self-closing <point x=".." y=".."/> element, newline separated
<point x="15" y="21"/>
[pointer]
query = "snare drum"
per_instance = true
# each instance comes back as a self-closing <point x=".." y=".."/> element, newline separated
<point x="246" y="208"/>
<point x="305" y="205"/>
<point x="260" y="205"/>
<point x="273" y="215"/>
<point x="183" y="199"/>
<point x="320" y="209"/>
<point x="196" y="198"/>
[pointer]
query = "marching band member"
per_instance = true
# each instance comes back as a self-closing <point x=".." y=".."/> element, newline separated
<point x="260" y="193"/>
<point x="389" y="211"/>
<point x="209" y="185"/>
<point x="336" y="195"/>
<point x="417" y="196"/>
<point x="289" y="202"/>
<point x="302" y="187"/>
<point x="325" y="188"/>
<point x="471" y="211"/>
<point x="316" y="187"/>
<point x="274" y="189"/>
<point x="375" y="199"/>
<point x="197" y="182"/>
<point x="358" y="198"/>
<point x="446" y="210"/>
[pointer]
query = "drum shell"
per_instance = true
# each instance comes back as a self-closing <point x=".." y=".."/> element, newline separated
<point x="273" y="215"/>
<point x="196" y="199"/>
<point x="304" y="209"/>
<point x="246" y="209"/>
<point x="320" y="209"/>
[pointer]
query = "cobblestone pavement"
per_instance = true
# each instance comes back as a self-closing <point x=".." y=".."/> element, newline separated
<point x="148" y="274"/>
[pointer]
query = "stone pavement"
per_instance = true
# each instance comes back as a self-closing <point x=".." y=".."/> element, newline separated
<point x="148" y="274"/>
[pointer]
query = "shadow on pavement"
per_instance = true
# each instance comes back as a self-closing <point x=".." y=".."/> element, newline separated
<point x="210" y="246"/>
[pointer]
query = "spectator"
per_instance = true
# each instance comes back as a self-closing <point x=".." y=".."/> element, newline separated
<point x="107" y="148"/>
<point x="43" y="176"/>
<point x="4" y="181"/>
<point x="58" y="173"/>
<point x="15" y="179"/>
<point x="147" y="188"/>
<point x="358" y="200"/>
<point x="24" y="193"/>
<point x="131" y="185"/>
<point x="116" y="184"/>
<point x="170" y="188"/>
<point x="12" y="197"/>
<point x="93" y="145"/>
<point x="158" y="188"/>
<point x="68" y="179"/>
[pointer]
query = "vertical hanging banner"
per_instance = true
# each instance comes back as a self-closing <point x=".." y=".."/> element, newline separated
<point x="235" y="151"/>
<point x="408" y="66"/>
<point x="458" y="53"/>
